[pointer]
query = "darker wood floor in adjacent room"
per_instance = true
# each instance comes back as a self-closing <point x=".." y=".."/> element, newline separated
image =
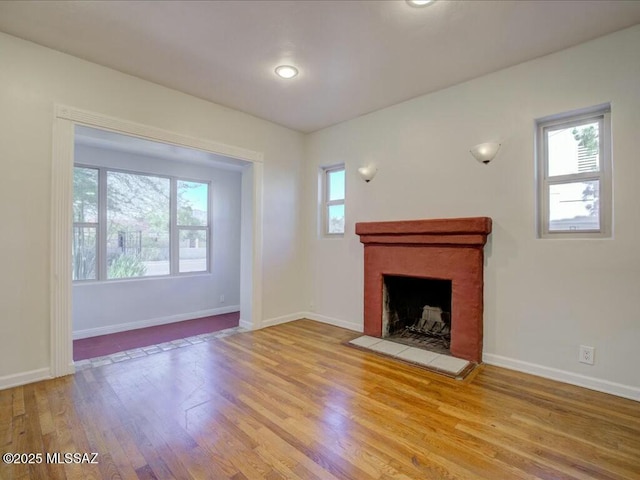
<point x="142" y="337"/>
<point x="292" y="401"/>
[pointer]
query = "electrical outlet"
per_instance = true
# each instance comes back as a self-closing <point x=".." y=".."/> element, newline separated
<point x="586" y="354"/>
<point x="221" y="298"/>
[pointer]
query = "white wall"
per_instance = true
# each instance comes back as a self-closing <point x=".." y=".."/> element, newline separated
<point x="116" y="305"/>
<point x="32" y="80"/>
<point x="543" y="298"/>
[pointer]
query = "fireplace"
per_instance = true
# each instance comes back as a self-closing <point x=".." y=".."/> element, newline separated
<point x="417" y="312"/>
<point x="441" y="250"/>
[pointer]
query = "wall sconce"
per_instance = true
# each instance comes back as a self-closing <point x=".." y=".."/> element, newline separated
<point x="485" y="152"/>
<point x="368" y="172"/>
<point x="420" y="3"/>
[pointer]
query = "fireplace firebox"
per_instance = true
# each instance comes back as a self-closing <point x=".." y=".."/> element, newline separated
<point x="451" y="250"/>
<point x="417" y="312"/>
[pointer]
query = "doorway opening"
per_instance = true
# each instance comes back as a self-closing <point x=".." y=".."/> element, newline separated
<point x="155" y="245"/>
<point x="248" y="165"/>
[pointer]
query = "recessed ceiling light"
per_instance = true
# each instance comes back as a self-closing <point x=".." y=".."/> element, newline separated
<point x="420" y="3"/>
<point x="286" y="71"/>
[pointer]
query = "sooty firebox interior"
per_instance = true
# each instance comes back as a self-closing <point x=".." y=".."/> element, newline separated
<point x="417" y="312"/>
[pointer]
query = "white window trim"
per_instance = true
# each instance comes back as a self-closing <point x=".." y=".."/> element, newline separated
<point x="326" y="203"/>
<point x="602" y="114"/>
<point x="174" y="228"/>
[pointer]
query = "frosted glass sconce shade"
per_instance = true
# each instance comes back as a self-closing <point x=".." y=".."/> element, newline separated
<point x="367" y="173"/>
<point x="420" y="3"/>
<point x="485" y="152"/>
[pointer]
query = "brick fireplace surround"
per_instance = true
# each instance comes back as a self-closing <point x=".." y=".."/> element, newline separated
<point x="449" y="249"/>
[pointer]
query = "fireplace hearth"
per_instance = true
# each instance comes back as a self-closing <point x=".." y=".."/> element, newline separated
<point x="438" y="250"/>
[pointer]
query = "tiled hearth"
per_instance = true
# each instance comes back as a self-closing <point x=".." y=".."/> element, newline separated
<point x="450" y="249"/>
<point x="455" y="367"/>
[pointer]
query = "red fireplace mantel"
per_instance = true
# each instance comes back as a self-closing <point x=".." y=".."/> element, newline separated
<point x="451" y="249"/>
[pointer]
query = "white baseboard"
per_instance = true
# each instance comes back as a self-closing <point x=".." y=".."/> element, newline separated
<point x="605" y="386"/>
<point x="284" y="319"/>
<point x="246" y="324"/>
<point x="152" y="322"/>
<point x="356" y="327"/>
<point x="23" y="378"/>
<point x="312" y="316"/>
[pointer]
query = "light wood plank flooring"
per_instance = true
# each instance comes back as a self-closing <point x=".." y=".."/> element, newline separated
<point x="293" y="401"/>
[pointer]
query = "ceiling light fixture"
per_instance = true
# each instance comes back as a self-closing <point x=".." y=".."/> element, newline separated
<point x="286" y="71"/>
<point x="420" y="3"/>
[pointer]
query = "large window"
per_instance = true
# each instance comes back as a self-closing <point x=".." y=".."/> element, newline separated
<point x="137" y="221"/>
<point x="334" y="193"/>
<point x="574" y="188"/>
<point x="136" y="225"/>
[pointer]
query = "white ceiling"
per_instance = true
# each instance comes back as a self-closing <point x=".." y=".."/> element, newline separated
<point x="354" y="56"/>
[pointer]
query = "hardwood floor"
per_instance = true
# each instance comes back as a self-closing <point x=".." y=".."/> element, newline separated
<point x="292" y="401"/>
<point x="109" y="344"/>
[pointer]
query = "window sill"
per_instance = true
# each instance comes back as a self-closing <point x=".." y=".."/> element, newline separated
<point x="141" y="279"/>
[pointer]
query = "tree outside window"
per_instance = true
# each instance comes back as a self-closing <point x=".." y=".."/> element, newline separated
<point x="133" y="234"/>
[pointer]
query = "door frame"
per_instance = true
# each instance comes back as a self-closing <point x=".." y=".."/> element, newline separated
<point x="65" y="120"/>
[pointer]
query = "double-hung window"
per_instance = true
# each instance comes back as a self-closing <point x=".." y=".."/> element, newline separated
<point x="129" y="225"/>
<point x="574" y="175"/>
<point x="334" y="195"/>
<point x="85" y="223"/>
<point x="192" y="226"/>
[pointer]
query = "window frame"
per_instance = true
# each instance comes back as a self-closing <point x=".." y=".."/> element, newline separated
<point x="175" y="232"/>
<point x="327" y="204"/>
<point x="104" y="272"/>
<point x="97" y="224"/>
<point x="174" y="228"/>
<point x="601" y="115"/>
